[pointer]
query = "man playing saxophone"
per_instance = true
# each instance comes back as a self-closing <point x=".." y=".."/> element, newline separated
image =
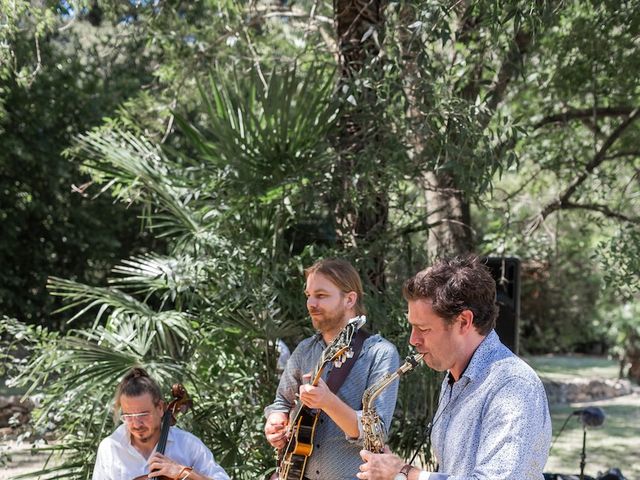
<point x="493" y="418"/>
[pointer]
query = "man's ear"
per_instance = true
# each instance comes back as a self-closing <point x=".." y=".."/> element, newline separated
<point x="351" y="299"/>
<point x="466" y="321"/>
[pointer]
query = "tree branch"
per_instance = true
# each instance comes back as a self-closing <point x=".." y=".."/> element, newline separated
<point x="601" y="155"/>
<point x="631" y="153"/>
<point x="580" y="114"/>
<point x="603" y="209"/>
<point x="509" y="67"/>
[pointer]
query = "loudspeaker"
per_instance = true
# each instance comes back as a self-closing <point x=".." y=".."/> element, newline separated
<point x="506" y="273"/>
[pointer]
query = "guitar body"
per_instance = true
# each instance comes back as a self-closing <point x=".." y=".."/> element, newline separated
<point x="300" y="446"/>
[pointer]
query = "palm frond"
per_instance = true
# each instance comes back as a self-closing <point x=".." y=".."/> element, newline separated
<point x="88" y="297"/>
<point x="166" y="276"/>
<point x="144" y="172"/>
<point x="266" y="134"/>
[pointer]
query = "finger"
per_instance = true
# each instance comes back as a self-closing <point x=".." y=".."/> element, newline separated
<point x="362" y="475"/>
<point x="270" y="429"/>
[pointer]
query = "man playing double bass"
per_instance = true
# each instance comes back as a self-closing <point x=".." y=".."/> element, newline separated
<point x="334" y="296"/>
<point x="130" y="451"/>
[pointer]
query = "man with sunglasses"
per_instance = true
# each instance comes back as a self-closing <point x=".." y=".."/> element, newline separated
<point x="129" y="452"/>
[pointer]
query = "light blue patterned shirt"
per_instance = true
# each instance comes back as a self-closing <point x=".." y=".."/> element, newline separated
<point x="493" y="423"/>
<point x="334" y="456"/>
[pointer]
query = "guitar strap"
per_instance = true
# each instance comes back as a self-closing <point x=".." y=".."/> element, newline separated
<point x="337" y="376"/>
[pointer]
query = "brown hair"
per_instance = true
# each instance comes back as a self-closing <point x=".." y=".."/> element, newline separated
<point x="457" y="284"/>
<point x="136" y="382"/>
<point x="342" y="275"/>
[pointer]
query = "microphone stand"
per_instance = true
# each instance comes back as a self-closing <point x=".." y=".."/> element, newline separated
<point x="583" y="456"/>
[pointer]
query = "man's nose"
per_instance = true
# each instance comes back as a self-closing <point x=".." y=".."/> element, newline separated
<point x="414" y="339"/>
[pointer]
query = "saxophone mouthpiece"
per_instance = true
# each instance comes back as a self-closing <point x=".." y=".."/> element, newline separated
<point x="415" y="359"/>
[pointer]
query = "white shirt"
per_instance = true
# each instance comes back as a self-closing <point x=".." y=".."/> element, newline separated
<point x="119" y="460"/>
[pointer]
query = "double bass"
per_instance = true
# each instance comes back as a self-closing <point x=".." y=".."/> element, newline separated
<point x="180" y="403"/>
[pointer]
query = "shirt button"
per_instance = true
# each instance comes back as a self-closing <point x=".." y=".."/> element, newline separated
<point x="317" y="445"/>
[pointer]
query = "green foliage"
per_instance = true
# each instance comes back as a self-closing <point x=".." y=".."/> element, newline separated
<point x="267" y="132"/>
<point x="267" y="172"/>
<point x="619" y="256"/>
<point x="52" y="87"/>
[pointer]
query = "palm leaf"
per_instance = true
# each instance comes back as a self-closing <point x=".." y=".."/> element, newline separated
<point x="265" y="134"/>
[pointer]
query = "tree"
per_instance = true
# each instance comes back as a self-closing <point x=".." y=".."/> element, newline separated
<point x="58" y="77"/>
<point x="440" y="110"/>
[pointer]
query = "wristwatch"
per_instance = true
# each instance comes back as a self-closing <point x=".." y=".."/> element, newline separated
<point x="403" y="474"/>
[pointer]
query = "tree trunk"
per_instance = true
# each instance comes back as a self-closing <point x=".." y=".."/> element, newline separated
<point x="633" y="356"/>
<point x="450" y="216"/>
<point x="362" y="209"/>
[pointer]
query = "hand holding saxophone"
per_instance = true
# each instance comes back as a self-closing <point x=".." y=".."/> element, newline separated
<point x="380" y="466"/>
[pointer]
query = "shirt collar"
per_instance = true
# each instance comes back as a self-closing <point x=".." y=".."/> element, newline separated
<point x="481" y="358"/>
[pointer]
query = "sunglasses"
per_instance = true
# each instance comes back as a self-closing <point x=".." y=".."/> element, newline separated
<point x="131" y="417"/>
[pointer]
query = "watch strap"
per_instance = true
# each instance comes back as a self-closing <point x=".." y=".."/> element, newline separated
<point x="406" y="469"/>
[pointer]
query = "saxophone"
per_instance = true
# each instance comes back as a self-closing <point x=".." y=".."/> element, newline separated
<point x="374" y="435"/>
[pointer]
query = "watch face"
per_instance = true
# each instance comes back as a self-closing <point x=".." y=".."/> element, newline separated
<point x="400" y="476"/>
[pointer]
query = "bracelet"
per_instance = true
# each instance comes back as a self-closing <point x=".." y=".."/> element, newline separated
<point x="184" y="469"/>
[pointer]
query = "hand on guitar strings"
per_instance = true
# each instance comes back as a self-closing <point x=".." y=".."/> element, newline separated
<point x="318" y="396"/>
<point x="379" y="466"/>
<point x="275" y="429"/>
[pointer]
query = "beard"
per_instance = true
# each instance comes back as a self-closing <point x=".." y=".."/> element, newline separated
<point x="327" y="320"/>
<point x="143" y="435"/>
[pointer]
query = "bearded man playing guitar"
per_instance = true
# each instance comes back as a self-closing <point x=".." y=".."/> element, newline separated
<point x="334" y="298"/>
<point x="131" y="452"/>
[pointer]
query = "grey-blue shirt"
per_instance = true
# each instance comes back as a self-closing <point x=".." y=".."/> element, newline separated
<point x="334" y="456"/>
<point x="493" y="423"/>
